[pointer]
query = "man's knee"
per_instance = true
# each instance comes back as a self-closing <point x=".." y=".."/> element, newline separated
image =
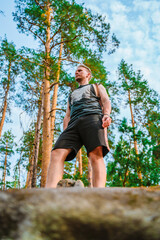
<point x="56" y="152"/>
<point x="96" y="153"/>
<point x="59" y="153"/>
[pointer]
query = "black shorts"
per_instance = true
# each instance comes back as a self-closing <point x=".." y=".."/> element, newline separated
<point x="87" y="131"/>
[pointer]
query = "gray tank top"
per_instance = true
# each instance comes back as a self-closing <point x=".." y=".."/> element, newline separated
<point x="83" y="101"/>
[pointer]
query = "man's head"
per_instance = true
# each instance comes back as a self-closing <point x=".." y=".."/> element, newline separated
<point x="83" y="73"/>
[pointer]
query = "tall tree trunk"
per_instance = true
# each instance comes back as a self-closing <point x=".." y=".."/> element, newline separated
<point x="28" y="180"/>
<point x="125" y="176"/>
<point x="79" y="156"/>
<point x="89" y="173"/>
<point x="135" y="141"/>
<point x="46" y="107"/>
<point x="37" y="140"/>
<point x="55" y="94"/>
<point x="79" y="160"/>
<point x="75" y="168"/>
<point x="5" y="99"/>
<point x="19" y="174"/>
<point x="32" y="173"/>
<point x="5" y="167"/>
<point x="126" y="170"/>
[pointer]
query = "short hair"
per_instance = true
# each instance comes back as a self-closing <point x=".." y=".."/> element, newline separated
<point x="84" y="66"/>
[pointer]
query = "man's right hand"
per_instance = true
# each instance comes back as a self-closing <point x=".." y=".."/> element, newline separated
<point x="106" y="121"/>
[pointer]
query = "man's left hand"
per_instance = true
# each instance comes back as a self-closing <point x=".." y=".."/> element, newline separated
<point x="106" y="121"/>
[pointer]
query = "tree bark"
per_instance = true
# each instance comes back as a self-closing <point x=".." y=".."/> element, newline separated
<point x="75" y="168"/>
<point x="125" y="176"/>
<point x="5" y="99"/>
<point x="37" y="140"/>
<point x="32" y="173"/>
<point x="55" y="94"/>
<point x="28" y="180"/>
<point x="79" y="160"/>
<point x="89" y="173"/>
<point x="79" y="156"/>
<point x="19" y="171"/>
<point x="5" y="167"/>
<point x="46" y="106"/>
<point x="134" y="136"/>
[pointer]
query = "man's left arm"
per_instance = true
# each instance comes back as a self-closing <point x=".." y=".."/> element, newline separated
<point x="106" y="106"/>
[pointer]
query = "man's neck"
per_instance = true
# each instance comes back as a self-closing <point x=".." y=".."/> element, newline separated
<point x="83" y="82"/>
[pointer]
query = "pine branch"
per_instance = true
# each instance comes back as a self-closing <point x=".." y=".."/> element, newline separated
<point x="27" y="59"/>
<point x="35" y="35"/>
<point x="37" y="83"/>
<point x="53" y="84"/>
<point x="60" y="109"/>
<point x="67" y="173"/>
<point x="30" y="30"/>
<point x="38" y="4"/>
<point x="31" y="87"/>
<point x="56" y="33"/>
<point x="32" y="23"/>
<point x="70" y="60"/>
<point x="70" y="40"/>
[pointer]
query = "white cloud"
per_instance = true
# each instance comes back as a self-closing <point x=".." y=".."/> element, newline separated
<point x="156" y="33"/>
<point x="140" y="53"/>
<point x="156" y="17"/>
<point x="139" y="4"/>
<point x="150" y="5"/>
<point x="94" y="1"/>
<point x="125" y="52"/>
<point x="145" y="70"/>
<point x="141" y="22"/>
<point x="119" y="23"/>
<point x="117" y="7"/>
<point x="138" y="36"/>
<point x="94" y="8"/>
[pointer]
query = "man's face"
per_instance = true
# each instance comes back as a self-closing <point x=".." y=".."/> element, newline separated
<point x="81" y="74"/>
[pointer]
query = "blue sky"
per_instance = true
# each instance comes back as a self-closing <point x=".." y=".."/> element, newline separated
<point x="136" y="24"/>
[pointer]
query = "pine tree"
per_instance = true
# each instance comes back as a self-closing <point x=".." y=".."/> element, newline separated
<point x="26" y="150"/>
<point x="31" y="100"/>
<point x="132" y="84"/>
<point x="8" y="72"/>
<point x="142" y="102"/>
<point x="123" y="170"/>
<point x="6" y="148"/>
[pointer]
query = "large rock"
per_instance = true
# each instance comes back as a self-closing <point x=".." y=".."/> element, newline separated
<point x="80" y="214"/>
<point x="69" y="183"/>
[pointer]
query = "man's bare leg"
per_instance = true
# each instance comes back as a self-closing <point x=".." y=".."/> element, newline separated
<point x="56" y="167"/>
<point x="98" y="167"/>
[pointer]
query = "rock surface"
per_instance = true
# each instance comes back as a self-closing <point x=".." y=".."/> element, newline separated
<point x="80" y="214"/>
<point x="69" y="183"/>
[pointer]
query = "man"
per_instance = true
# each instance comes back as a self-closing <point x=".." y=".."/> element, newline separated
<point x="85" y="123"/>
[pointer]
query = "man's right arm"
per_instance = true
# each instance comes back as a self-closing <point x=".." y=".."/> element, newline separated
<point x="67" y="117"/>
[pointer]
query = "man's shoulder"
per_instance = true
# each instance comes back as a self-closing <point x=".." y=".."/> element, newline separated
<point x="96" y="88"/>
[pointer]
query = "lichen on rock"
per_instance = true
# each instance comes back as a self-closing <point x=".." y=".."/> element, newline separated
<point x="69" y="183"/>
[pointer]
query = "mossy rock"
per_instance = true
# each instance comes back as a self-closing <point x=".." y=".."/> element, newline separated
<point x="80" y="213"/>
